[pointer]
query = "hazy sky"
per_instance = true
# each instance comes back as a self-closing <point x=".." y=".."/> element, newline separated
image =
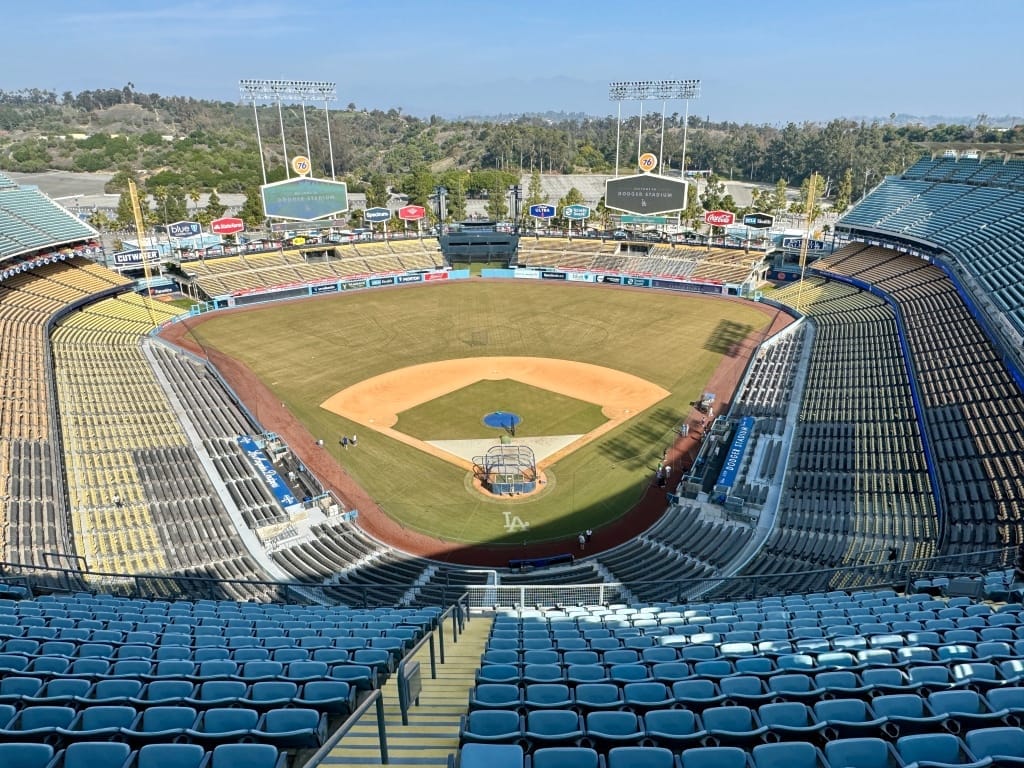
<point x="761" y="61"/>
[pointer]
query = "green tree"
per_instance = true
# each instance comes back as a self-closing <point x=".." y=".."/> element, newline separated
<point x="252" y="210"/>
<point x="844" y="192"/>
<point x="692" y="211"/>
<point x="124" y="218"/>
<point x="497" y="201"/>
<point x="535" y="191"/>
<point x="714" y="193"/>
<point x="214" y="209"/>
<point x="377" y="192"/>
<point x="778" y="199"/>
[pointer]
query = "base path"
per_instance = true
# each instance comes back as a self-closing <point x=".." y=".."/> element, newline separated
<point x="262" y="403"/>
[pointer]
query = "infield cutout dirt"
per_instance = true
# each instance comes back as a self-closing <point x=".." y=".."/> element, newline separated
<point x="376" y="402"/>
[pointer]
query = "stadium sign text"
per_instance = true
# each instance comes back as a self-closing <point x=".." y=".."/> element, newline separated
<point x="304" y="198"/>
<point x="376" y="215"/>
<point x="719" y="218"/>
<point x="796" y="243"/>
<point x="645" y="193"/>
<point x="128" y="258"/>
<point x="229" y="225"/>
<point x="184" y="229"/>
<point x="542" y="211"/>
<point x="758" y="220"/>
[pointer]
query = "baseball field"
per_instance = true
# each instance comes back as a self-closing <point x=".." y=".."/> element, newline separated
<point x="598" y="378"/>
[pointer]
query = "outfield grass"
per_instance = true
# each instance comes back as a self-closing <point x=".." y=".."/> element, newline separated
<point x="305" y="351"/>
<point x="459" y="414"/>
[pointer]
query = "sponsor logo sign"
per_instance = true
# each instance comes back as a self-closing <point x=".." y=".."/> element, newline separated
<point x="435" y="276"/>
<point x="733" y="459"/>
<point x="410" y="278"/>
<point x="265" y="468"/>
<point x="184" y="229"/>
<point x="645" y="193"/>
<point x="648" y="162"/>
<point x="576" y="212"/>
<point x="376" y="215"/>
<point x="350" y="285"/>
<point x="229" y="225"/>
<point x="542" y="211"/>
<point x="373" y="282"/>
<point x="128" y="258"/>
<point x="553" y="275"/>
<point x="329" y="288"/>
<point x="758" y="220"/>
<point x="796" y="243"/>
<point x="301" y="165"/>
<point x="719" y="218"/>
<point x="412" y="212"/>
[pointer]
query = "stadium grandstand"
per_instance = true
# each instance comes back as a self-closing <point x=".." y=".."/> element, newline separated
<point x="845" y="598"/>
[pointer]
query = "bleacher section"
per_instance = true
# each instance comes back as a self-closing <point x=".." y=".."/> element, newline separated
<point x="973" y="410"/>
<point x="721" y="265"/>
<point x="140" y="502"/>
<point x="233" y="274"/>
<point x="31" y="519"/>
<point x="856" y="482"/>
<point x="822" y="680"/>
<point x="974" y="210"/>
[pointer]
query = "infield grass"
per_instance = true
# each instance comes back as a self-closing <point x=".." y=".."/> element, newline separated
<point x="305" y="351"/>
<point x="459" y="414"/>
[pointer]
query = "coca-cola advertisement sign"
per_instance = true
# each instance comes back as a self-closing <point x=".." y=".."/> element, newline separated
<point x="719" y="218"/>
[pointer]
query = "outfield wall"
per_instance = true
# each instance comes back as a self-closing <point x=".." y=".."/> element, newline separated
<point x="617" y="278"/>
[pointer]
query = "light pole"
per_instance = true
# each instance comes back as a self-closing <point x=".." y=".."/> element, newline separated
<point x="645" y="90"/>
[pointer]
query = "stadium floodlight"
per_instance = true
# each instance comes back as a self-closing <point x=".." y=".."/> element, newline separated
<point x="653" y="90"/>
<point x="295" y="91"/>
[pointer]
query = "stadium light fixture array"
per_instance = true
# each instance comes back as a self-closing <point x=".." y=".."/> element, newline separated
<point x="653" y="90"/>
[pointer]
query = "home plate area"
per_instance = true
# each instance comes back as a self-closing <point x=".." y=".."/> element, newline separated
<point x="542" y="447"/>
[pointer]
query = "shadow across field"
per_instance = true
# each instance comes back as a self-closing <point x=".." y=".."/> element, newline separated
<point x="726" y="338"/>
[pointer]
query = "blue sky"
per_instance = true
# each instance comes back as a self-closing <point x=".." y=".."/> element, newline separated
<point x="760" y="61"/>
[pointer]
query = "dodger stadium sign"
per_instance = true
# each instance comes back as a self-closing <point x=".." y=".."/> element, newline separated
<point x="645" y="193"/>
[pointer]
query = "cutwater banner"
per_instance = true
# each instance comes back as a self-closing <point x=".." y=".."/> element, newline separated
<point x="266" y="469"/>
<point x="733" y="459"/>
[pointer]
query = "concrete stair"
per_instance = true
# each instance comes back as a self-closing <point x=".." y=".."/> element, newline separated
<point x="433" y="730"/>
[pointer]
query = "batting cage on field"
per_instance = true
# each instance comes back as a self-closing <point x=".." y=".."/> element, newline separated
<point x="507" y="469"/>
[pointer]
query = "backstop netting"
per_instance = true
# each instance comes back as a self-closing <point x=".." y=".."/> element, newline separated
<point x="507" y="469"/>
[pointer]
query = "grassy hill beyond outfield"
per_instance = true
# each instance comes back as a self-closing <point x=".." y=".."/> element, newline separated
<point x="306" y="351"/>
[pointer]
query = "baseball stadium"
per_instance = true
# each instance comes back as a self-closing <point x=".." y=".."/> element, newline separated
<point x="598" y="503"/>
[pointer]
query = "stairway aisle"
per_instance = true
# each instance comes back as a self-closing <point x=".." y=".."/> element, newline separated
<point x="433" y="730"/>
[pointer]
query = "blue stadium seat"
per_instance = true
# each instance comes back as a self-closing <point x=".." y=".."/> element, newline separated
<point x="39" y="723"/>
<point x="292" y="728"/>
<point x="554" y="727"/>
<point x="547" y="696"/>
<point x="865" y="752"/>
<point x="670" y="671"/>
<point x="496" y="696"/>
<point x="490" y="726"/>
<point x="592" y="697"/>
<point x="933" y="748"/>
<point x="160" y="724"/>
<point x="165" y="693"/>
<point x="498" y="673"/>
<point x="792" y="754"/>
<point x="252" y="756"/>
<point x="714" y="757"/>
<point x="697" y="694"/>
<point x="748" y="690"/>
<point x="620" y="674"/>
<point x="640" y="757"/>
<point x="26" y="755"/>
<point x="1005" y="746"/>
<point x="673" y="728"/>
<point x="732" y="726"/>
<point x="565" y="757"/>
<point x="170" y="756"/>
<point x="59" y="691"/>
<point x="542" y="673"/>
<point x="966" y="709"/>
<point x="91" y="754"/>
<point x="605" y="730"/>
<point x="270" y="694"/>
<point x="99" y="722"/>
<point x="848" y="719"/>
<point x="790" y="721"/>
<point x="217" y="693"/>
<point x="223" y="725"/>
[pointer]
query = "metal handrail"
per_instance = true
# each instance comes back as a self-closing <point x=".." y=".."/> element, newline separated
<point x="458" y="615"/>
<point x="374" y="697"/>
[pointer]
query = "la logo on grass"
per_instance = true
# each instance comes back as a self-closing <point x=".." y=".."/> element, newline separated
<point x="514" y="523"/>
